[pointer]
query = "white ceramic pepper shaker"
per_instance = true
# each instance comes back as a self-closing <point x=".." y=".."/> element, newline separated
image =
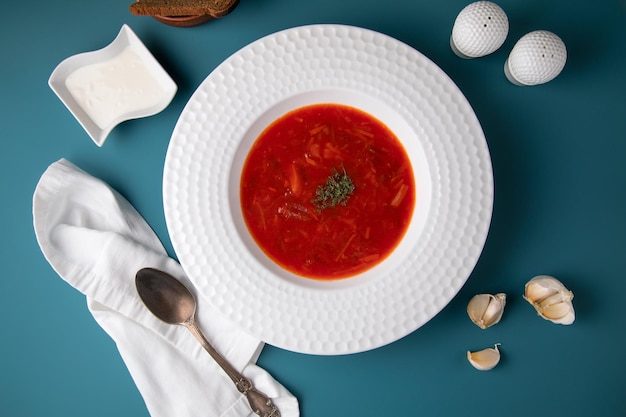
<point x="536" y="58"/>
<point x="479" y="30"/>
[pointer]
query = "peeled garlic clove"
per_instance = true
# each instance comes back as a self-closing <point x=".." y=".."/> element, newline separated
<point x="485" y="359"/>
<point x="485" y="310"/>
<point x="551" y="299"/>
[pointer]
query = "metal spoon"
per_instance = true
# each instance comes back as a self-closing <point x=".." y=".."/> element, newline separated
<point x="169" y="300"/>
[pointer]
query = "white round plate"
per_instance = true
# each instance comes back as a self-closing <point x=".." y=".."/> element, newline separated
<point x="396" y="84"/>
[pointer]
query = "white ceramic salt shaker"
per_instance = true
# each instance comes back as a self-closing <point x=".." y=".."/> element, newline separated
<point x="536" y="58"/>
<point x="479" y="30"/>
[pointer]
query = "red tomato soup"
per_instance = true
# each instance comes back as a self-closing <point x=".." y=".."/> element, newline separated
<point x="304" y="157"/>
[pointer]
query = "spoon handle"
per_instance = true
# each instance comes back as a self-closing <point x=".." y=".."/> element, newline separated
<point x="260" y="403"/>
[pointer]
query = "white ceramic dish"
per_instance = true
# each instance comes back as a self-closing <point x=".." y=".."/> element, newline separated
<point x="116" y="82"/>
<point x="393" y="82"/>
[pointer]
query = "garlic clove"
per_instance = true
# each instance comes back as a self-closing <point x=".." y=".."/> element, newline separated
<point x="485" y="310"/>
<point x="539" y="289"/>
<point x="485" y="359"/>
<point x="551" y="299"/>
<point x="560" y="313"/>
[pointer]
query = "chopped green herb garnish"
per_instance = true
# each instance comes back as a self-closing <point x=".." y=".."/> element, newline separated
<point x="337" y="190"/>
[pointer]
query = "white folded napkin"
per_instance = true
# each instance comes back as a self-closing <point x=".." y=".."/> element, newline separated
<point x="96" y="241"/>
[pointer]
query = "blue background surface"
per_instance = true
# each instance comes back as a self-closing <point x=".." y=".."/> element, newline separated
<point x="558" y="154"/>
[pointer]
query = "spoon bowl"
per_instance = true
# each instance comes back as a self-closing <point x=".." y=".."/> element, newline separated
<point x="170" y="301"/>
<point x="166" y="297"/>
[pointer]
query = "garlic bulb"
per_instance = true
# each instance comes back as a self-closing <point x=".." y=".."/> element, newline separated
<point x="485" y="310"/>
<point x="551" y="299"/>
<point x="485" y="359"/>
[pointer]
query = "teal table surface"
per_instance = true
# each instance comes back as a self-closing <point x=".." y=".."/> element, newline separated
<point x="559" y="161"/>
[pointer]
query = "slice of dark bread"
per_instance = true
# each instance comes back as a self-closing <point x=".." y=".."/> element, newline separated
<point x="214" y="8"/>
